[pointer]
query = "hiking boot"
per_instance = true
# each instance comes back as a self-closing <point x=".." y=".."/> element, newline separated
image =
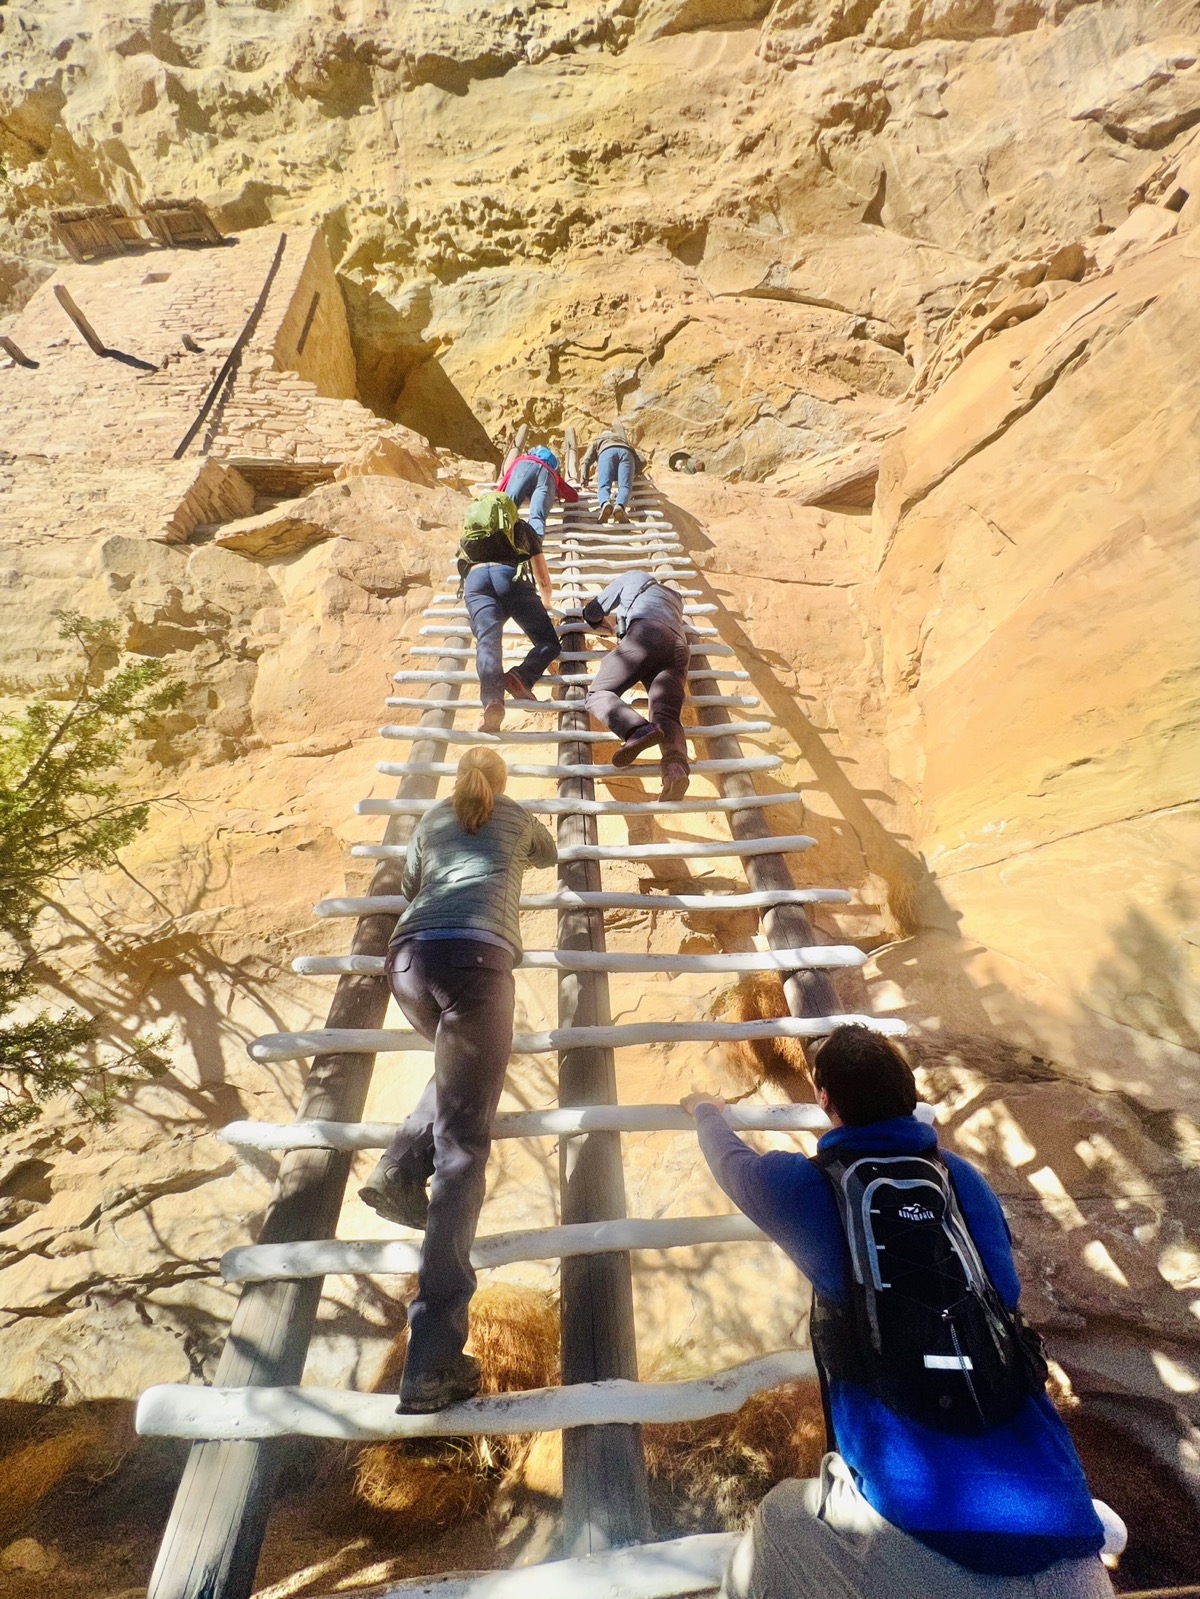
<point x="423" y="1395"/>
<point x="516" y="687"/>
<point x="492" y="718"/>
<point x="626" y="753"/>
<point x="396" y="1196"/>
<point x="606" y="511"/>
<point x="620" y="514"/>
<point x="676" y="778"/>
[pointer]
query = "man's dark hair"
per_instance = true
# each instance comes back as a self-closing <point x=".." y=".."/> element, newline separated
<point x="865" y="1075"/>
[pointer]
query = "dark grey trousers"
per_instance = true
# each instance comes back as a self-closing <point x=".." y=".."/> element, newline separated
<point x="656" y="656"/>
<point x="460" y="994"/>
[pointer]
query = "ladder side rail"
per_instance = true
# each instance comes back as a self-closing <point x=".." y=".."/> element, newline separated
<point x="211" y="1544"/>
<point x="810" y="992"/>
<point x="605" y="1494"/>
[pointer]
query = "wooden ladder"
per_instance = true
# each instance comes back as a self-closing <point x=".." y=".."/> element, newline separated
<point x="210" y="1548"/>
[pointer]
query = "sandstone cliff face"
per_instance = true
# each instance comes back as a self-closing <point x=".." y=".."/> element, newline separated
<point x="955" y="243"/>
<point x="651" y="173"/>
<point x="1036" y="583"/>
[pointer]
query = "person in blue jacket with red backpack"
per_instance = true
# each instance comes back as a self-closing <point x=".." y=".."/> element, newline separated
<point x="949" y="1473"/>
<point x="533" y="479"/>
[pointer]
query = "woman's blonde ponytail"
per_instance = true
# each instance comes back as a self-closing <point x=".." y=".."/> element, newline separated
<point x="482" y="775"/>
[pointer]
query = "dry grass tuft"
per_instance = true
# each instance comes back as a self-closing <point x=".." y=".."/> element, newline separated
<point x="775" y="1060"/>
<point x="514" y="1334"/>
<point x="428" y="1485"/>
<point x="715" y="1472"/>
<point x="537" y="1467"/>
<point x="904" y="905"/>
<point x="30" y="1473"/>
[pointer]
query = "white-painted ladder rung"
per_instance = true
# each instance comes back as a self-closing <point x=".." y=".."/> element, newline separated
<point x="558" y="1121"/>
<point x="463" y="735"/>
<point x="450" y="652"/>
<point x="570" y="899"/>
<point x="582" y="807"/>
<point x="616" y="561"/>
<point x="447" y="614"/>
<point x="383" y="1040"/>
<point x="751" y="763"/>
<point x="411" y="701"/>
<point x="191" y="1411"/>
<point x="691" y="1566"/>
<point x="730" y="674"/>
<point x="639" y="535"/>
<point x="822" y="957"/>
<point x="329" y="1257"/>
<point x="514" y="632"/>
<point x="676" y="850"/>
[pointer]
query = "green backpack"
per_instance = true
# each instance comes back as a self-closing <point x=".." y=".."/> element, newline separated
<point x="489" y="534"/>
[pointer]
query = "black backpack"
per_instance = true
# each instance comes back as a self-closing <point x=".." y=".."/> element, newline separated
<point x="922" y="1326"/>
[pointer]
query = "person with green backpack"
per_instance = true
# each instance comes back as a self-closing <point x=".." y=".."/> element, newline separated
<point x="498" y="556"/>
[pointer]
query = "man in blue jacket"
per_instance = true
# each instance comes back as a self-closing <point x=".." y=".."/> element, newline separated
<point x="901" y="1510"/>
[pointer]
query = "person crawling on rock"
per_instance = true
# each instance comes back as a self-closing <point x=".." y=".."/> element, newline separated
<point x="617" y="463"/>
<point x="654" y="651"/>
<point x="949" y="1471"/>
<point x="450" y="965"/>
<point x="533" y="479"/>
<point x="497" y="554"/>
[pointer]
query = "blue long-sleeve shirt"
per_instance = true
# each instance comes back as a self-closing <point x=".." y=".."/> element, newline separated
<point x="1010" y="1501"/>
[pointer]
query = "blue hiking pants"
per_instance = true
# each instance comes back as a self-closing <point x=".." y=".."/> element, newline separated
<point x="616" y="465"/>
<point x="495" y="595"/>
<point x="535" y="484"/>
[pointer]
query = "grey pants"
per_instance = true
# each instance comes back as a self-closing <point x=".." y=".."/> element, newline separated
<point x="459" y="993"/>
<point x="656" y="656"/>
<point x="821" y="1538"/>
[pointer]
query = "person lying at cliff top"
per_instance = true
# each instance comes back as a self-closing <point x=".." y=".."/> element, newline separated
<point x="533" y="479"/>
<point x="618" y="463"/>
<point x="654" y="651"/>
<point x="450" y="966"/>
<point x="949" y="1472"/>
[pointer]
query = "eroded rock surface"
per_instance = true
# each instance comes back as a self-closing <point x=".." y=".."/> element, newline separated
<point x="917" y="283"/>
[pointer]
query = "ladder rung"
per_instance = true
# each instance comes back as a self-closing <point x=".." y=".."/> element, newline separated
<point x="510" y="633"/>
<point x="384" y="1040"/>
<point x="452" y="614"/>
<point x="186" y="1411"/>
<point x="594" y="542"/>
<point x="781" y="844"/>
<point x="821" y="957"/>
<point x="631" y="555"/>
<point x="560" y="1121"/>
<point x="567" y="583"/>
<point x="750" y="763"/>
<point x="450" y="652"/>
<point x="568" y="899"/>
<point x="730" y="674"/>
<point x="328" y="1257"/>
<point x="463" y="735"/>
<point x="693" y="1566"/>
<point x="581" y="807"/>
<point x="410" y="701"/>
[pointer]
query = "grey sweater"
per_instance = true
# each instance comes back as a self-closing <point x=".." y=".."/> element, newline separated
<point x="612" y="440"/>
<point x="455" y="879"/>
<point x="637" y="597"/>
